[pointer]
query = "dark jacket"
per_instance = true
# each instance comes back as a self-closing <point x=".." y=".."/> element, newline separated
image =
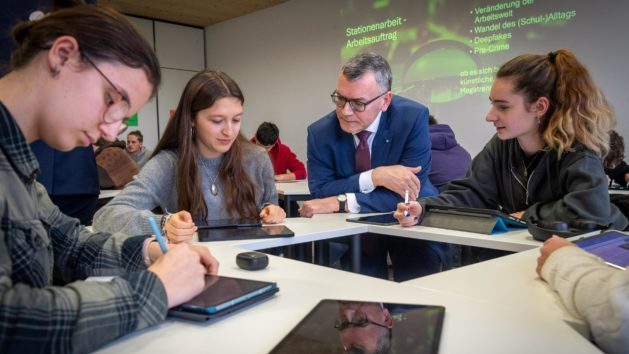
<point x="573" y="187"/>
<point x="617" y="174"/>
<point x="449" y="159"/>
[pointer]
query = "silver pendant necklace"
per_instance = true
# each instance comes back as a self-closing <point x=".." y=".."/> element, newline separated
<point x="213" y="187"/>
<point x="526" y="166"/>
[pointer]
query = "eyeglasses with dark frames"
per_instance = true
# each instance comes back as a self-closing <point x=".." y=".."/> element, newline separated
<point x="357" y="106"/>
<point x="117" y="108"/>
<point x="358" y="320"/>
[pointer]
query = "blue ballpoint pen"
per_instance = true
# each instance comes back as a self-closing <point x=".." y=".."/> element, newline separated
<point x="158" y="235"/>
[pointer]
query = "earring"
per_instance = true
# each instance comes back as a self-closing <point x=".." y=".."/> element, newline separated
<point x="54" y="71"/>
<point x="539" y="120"/>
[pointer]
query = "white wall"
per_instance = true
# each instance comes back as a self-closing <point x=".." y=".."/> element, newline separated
<point x="147" y="116"/>
<point x="286" y="59"/>
<point x="181" y="53"/>
<point x="284" y="64"/>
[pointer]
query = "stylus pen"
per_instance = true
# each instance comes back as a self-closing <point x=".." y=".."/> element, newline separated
<point x="406" y="212"/>
<point x="158" y="235"/>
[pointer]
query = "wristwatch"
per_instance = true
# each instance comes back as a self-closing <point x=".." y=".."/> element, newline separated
<point x="342" y="198"/>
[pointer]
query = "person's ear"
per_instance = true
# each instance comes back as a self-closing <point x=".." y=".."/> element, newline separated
<point x="540" y="107"/>
<point x="387" y="100"/>
<point x="388" y="319"/>
<point x="64" y="52"/>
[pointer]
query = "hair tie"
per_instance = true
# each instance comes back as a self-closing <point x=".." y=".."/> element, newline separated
<point x="551" y="57"/>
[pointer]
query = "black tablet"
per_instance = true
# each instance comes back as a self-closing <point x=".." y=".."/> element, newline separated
<point x="509" y="220"/>
<point x="244" y="233"/>
<point x="379" y="219"/>
<point x="223" y="295"/>
<point x="337" y="326"/>
<point x="227" y="223"/>
<point x="612" y="246"/>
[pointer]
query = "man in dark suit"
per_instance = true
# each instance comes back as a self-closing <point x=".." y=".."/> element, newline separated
<point x="392" y="132"/>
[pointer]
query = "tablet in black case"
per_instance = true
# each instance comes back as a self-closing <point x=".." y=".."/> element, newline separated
<point x="244" y="233"/>
<point x="224" y="295"/>
<point x="379" y="219"/>
<point x="337" y="326"/>
<point x="227" y="223"/>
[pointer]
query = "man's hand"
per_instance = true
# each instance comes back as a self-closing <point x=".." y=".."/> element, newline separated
<point x="550" y="246"/>
<point x="398" y="179"/>
<point x="319" y="206"/>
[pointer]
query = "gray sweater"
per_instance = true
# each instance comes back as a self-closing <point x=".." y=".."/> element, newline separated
<point x="154" y="186"/>
<point x="141" y="157"/>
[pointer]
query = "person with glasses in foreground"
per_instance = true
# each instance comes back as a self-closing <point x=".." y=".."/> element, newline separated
<point x="71" y="84"/>
<point x="202" y="169"/>
<point x="365" y="156"/>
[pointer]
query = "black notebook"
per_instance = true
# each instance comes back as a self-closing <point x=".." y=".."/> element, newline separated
<point x="338" y="326"/>
<point x="224" y="295"/>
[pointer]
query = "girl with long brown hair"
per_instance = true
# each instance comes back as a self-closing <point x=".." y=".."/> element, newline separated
<point x="202" y="167"/>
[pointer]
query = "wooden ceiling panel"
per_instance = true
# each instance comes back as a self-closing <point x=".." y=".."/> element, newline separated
<point x="199" y="13"/>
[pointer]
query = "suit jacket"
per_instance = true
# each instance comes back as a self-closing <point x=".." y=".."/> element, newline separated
<point x="402" y="139"/>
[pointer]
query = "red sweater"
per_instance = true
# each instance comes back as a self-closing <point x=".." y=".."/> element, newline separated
<point x="284" y="160"/>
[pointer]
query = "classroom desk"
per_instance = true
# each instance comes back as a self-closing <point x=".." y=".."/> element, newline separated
<point x="618" y="191"/>
<point x="514" y="241"/>
<point x="293" y="191"/>
<point x="510" y="281"/>
<point x="475" y="321"/>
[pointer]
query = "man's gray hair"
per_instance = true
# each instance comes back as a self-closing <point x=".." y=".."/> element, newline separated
<point x="363" y="63"/>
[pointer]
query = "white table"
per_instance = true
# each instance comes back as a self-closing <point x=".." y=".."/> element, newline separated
<point x="510" y="281"/>
<point x="292" y="191"/>
<point x="478" y="319"/>
<point x="471" y="325"/>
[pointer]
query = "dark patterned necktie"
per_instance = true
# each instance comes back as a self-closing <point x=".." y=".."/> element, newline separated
<point x="363" y="158"/>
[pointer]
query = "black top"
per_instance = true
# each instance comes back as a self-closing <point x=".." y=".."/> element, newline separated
<point x="617" y="174"/>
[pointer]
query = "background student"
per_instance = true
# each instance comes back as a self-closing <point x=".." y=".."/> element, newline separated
<point x="590" y="289"/>
<point x="203" y="168"/>
<point x="616" y="168"/>
<point x="285" y="163"/>
<point x="69" y="85"/>
<point x="544" y="163"/>
<point x="70" y="178"/>
<point x="449" y="159"/>
<point x="136" y="149"/>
